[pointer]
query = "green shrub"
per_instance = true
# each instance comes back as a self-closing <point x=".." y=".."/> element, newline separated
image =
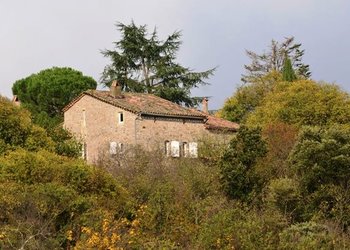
<point x="236" y="227"/>
<point x="237" y="165"/>
<point x="283" y="195"/>
<point x="310" y="235"/>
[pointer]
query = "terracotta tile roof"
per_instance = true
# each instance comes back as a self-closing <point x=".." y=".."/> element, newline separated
<point x="141" y="103"/>
<point x="217" y="123"/>
<point x="148" y="104"/>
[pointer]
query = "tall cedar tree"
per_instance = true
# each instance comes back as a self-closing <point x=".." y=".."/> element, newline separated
<point x="273" y="60"/>
<point x="288" y="73"/>
<point x="142" y="63"/>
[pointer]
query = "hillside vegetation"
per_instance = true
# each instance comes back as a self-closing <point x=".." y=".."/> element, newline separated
<point x="281" y="183"/>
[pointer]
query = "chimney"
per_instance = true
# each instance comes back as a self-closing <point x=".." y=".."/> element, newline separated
<point x="115" y="89"/>
<point x="205" y="105"/>
<point x="16" y="101"/>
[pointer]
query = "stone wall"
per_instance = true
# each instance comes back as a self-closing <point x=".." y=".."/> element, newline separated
<point x="101" y="125"/>
<point x="155" y="131"/>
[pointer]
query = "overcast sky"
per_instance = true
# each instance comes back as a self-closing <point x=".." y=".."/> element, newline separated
<point x="40" y="34"/>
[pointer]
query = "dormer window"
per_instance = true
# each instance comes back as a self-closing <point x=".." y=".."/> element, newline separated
<point x="120" y="117"/>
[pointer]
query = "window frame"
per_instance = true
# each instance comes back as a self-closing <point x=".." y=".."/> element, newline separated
<point x="120" y="117"/>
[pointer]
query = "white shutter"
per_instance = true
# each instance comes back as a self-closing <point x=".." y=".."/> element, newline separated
<point x="113" y="148"/>
<point x="175" y="148"/>
<point x="193" y="149"/>
<point x="167" y="148"/>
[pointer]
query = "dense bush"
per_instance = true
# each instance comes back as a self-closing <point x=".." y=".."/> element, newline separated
<point x="44" y="195"/>
<point x="237" y="164"/>
<point x="177" y="195"/>
<point x="284" y="186"/>
<point x="18" y="131"/>
<point x="321" y="160"/>
<point x="303" y="102"/>
<point x="310" y="235"/>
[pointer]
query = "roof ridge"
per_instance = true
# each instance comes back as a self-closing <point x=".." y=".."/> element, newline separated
<point x="148" y="104"/>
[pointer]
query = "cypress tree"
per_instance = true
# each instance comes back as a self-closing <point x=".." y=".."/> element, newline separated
<point x="288" y="73"/>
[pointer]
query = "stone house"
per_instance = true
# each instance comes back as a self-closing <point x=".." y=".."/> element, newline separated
<point x="112" y="120"/>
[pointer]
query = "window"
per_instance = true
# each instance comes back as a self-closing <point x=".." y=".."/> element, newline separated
<point x="84" y="118"/>
<point x="120" y="117"/>
<point x="193" y="149"/>
<point x="115" y="147"/>
<point x="120" y="147"/>
<point x="184" y="149"/>
<point x="175" y="148"/>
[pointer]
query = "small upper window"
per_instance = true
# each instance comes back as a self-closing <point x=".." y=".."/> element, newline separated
<point x="120" y="117"/>
<point x="84" y="118"/>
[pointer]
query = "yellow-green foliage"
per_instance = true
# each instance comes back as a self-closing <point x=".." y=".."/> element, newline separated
<point x="283" y="194"/>
<point x="17" y="129"/>
<point x="44" y="194"/>
<point x="144" y="200"/>
<point x="303" y="102"/>
<point x="238" y="227"/>
<point x="178" y="195"/>
<point x="310" y="235"/>
<point x="248" y="97"/>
